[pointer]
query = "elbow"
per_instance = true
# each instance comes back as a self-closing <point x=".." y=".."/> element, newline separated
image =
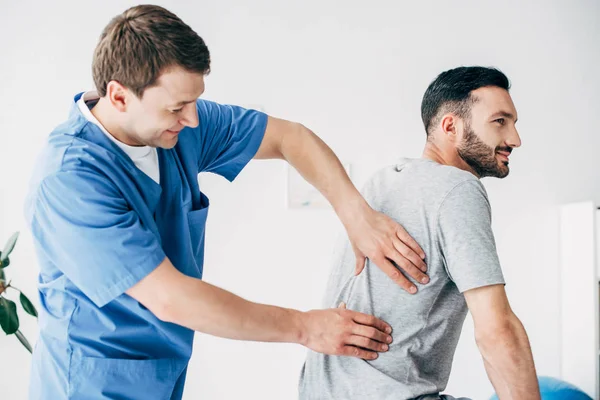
<point x="294" y="137"/>
<point x="163" y="312"/>
<point x="298" y="128"/>
<point x="160" y="292"/>
<point x="303" y="129"/>
<point x="173" y="302"/>
<point x="500" y="333"/>
<point x="163" y="307"/>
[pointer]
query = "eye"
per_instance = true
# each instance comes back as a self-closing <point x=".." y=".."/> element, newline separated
<point x="177" y="110"/>
<point x="501" y="121"/>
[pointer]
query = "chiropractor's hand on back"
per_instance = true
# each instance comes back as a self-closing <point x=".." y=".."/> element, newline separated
<point x="343" y="332"/>
<point x="177" y="298"/>
<point x="377" y="237"/>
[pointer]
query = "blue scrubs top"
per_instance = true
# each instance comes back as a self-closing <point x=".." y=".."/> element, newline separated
<point x="100" y="225"/>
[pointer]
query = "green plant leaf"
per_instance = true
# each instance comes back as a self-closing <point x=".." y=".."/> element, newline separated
<point x="4" y="263"/>
<point x="10" y="245"/>
<point x="23" y="341"/>
<point x="27" y="305"/>
<point x="9" y="320"/>
<point x="2" y="276"/>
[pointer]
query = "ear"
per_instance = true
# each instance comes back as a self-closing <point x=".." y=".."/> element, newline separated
<point x="451" y="126"/>
<point x="117" y="95"/>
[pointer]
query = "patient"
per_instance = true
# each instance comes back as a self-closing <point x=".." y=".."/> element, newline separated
<point x="469" y="119"/>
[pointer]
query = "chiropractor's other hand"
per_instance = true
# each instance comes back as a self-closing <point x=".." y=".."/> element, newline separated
<point x="376" y="236"/>
<point x="344" y="332"/>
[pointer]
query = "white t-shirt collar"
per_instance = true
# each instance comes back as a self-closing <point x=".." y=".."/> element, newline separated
<point x="135" y="152"/>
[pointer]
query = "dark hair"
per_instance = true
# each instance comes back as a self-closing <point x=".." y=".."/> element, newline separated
<point x="141" y="43"/>
<point x="451" y="92"/>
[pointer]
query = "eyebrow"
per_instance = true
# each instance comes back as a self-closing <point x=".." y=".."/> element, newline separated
<point x="181" y="103"/>
<point x="505" y="115"/>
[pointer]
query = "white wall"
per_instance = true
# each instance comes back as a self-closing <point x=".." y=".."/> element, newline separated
<point x="354" y="72"/>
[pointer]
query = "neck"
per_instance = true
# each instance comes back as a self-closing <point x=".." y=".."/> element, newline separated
<point x="445" y="155"/>
<point x="109" y="118"/>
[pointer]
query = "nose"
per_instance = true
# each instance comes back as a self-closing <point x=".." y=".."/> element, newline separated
<point x="189" y="115"/>
<point x="514" y="140"/>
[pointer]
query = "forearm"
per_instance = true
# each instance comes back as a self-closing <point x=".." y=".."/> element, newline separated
<point x="508" y="360"/>
<point x="317" y="163"/>
<point x="179" y="299"/>
<point x="373" y="235"/>
<point x="206" y="308"/>
<point x="499" y="386"/>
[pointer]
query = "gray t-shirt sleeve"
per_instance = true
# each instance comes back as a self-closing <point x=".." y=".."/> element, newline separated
<point x="465" y="235"/>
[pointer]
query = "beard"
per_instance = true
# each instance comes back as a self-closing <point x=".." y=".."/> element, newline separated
<point x="481" y="157"/>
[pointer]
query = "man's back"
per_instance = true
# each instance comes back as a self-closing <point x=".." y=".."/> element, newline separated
<point x="422" y="196"/>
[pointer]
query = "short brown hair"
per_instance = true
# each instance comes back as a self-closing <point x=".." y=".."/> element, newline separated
<point x="140" y="44"/>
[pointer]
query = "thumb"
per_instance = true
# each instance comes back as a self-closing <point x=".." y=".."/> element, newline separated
<point x="360" y="262"/>
<point x="342" y="305"/>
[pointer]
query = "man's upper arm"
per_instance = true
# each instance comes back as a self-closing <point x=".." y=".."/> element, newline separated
<point x="466" y="239"/>
<point x="488" y="306"/>
<point x="229" y="137"/>
<point x="156" y="290"/>
<point x="276" y="131"/>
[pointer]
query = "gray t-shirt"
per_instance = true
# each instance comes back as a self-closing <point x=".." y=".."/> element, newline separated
<point x="446" y="210"/>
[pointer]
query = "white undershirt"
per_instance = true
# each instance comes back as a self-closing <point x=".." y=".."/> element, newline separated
<point x="144" y="157"/>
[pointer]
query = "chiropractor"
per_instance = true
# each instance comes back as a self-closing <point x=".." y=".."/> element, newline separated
<point x="118" y="222"/>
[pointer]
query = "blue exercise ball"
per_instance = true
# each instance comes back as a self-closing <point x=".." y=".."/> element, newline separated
<point x="555" y="389"/>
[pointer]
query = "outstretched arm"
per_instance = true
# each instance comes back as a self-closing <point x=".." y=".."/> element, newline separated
<point x="177" y="298"/>
<point x="373" y="235"/>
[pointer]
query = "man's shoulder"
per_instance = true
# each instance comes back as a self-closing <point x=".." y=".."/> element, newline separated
<point x="67" y="147"/>
<point x="446" y="176"/>
<point x="423" y="175"/>
<point x="467" y="197"/>
<point x="450" y="180"/>
<point x="68" y="154"/>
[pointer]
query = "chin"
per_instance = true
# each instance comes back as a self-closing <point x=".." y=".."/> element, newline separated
<point x="167" y="143"/>
<point x="503" y="171"/>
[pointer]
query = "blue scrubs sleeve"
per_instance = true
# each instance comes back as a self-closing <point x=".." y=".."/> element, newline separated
<point x="84" y="225"/>
<point x="229" y="137"/>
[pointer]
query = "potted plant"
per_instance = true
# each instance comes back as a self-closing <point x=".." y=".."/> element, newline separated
<point x="9" y="319"/>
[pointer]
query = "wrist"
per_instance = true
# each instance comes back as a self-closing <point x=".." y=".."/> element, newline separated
<point x="351" y="208"/>
<point x="300" y="327"/>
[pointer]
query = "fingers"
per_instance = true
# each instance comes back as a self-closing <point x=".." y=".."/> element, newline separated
<point x="367" y="344"/>
<point x="352" y="351"/>
<point x="371" y="321"/>
<point x="408" y="267"/>
<point x="390" y="270"/>
<point x="368" y="332"/>
<point x="410" y="255"/>
<point x="410" y="242"/>
<point x="342" y="305"/>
